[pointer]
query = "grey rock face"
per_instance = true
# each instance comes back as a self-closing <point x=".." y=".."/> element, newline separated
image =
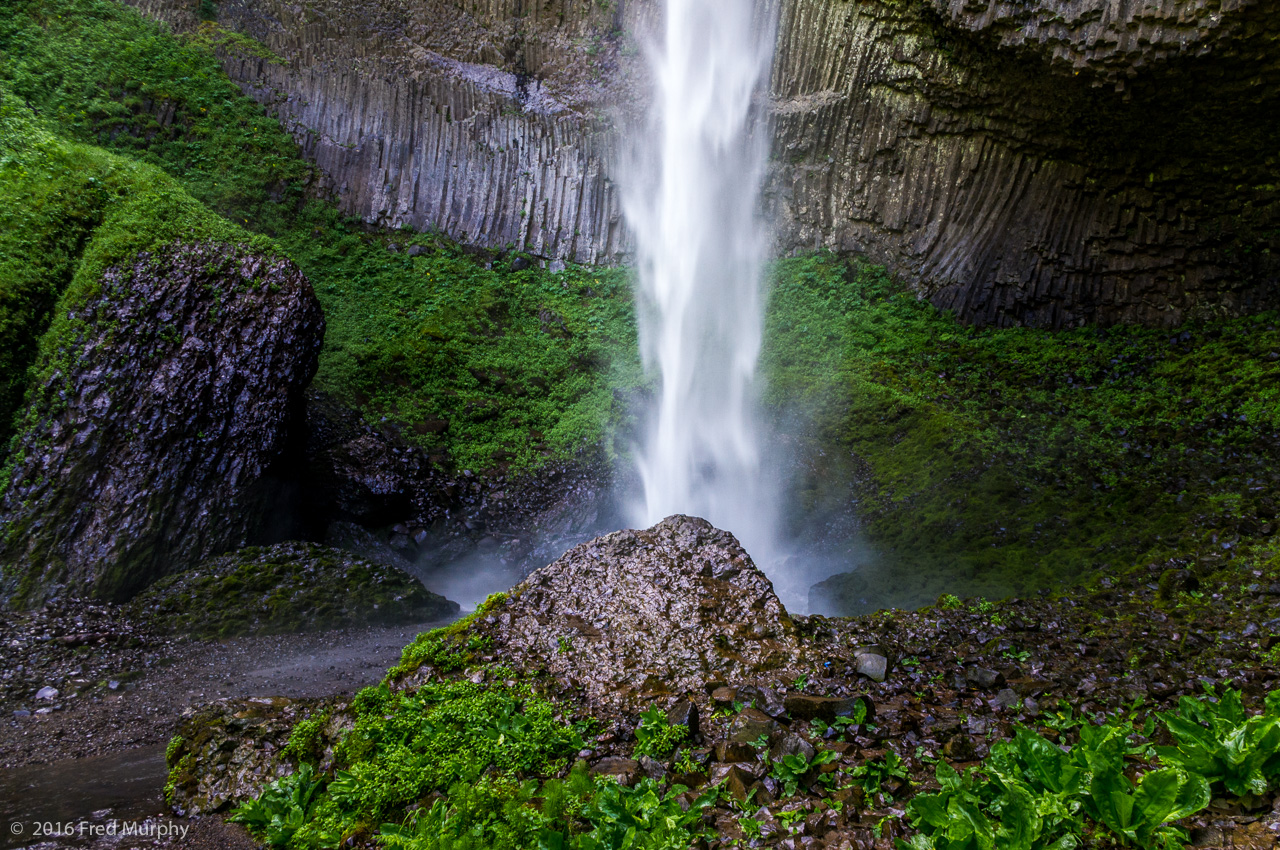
<point x="1045" y="163"/>
<point x="230" y="749"/>
<point x="635" y="613"/>
<point x="477" y="119"/>
<point x="156" y="435"/>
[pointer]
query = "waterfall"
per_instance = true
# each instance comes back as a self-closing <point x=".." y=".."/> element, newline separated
<point x="691" y="195"/>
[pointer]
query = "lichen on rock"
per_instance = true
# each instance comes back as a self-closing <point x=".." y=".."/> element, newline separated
<point x="635" y="614"/>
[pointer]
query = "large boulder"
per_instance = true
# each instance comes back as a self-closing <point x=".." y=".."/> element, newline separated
<point x="635" y="614"/>
<point x="160" y="427"/>
<point x="286" y="588"/>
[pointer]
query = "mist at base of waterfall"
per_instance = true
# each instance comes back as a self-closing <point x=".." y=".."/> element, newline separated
<point x="690" y="191"/>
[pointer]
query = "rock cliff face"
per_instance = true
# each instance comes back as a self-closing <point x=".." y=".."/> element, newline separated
<point x="1044" y="163"/>
<point x="159" y="432"/>
<point x="477" y="119"/>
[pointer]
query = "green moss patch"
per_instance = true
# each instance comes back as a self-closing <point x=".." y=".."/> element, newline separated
<point x="289" y="587"/>
<point x="995" y="461"/>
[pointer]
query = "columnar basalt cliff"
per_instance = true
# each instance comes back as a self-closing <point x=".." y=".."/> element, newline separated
<point x="159" y="428"/>
<point x="1046" y="163"/>
<point x="476" y="120"/>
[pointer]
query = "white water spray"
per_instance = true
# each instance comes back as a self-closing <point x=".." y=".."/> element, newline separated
<point x="691" y="195"/>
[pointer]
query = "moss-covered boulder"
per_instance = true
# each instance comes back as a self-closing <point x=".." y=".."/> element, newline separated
<point x="159" y="426"/>
<point x="155" y="357"/>
<point x="289" y="587"/>
<point x="634" y="614"/>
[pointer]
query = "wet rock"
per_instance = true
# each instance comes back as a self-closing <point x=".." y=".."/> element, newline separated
<point x="724" y="696"/>
<point x="765" y="699"/>
<point x="684" y="713"/>
<point x="791" y="745"/>
<point x="806" y="707"/>
<point x="736" y="751"/>
<point x="1207" y="836"/>
<point x="625" y="770"/>
<point x="750" y="725"/>
<point x="652" y="768"/>
<point x="680" y="603"/>
<point x="1006" y="699"/>
<point x="984" y="678"/>
<point x="872" y="662"/>
<point x="960" y="748"/>
<point x="229" y="750"/>
<point x="737" y="779"/>
<point x="164" y="430"/>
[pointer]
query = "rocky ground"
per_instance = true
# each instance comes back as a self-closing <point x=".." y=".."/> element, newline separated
<point x="679" y="619"/>
<point x="88" y="683"/>
<point x="82" y="679"/>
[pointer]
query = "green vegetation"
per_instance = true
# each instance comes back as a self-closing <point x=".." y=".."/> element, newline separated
<point x="491" y="762"/>
<point x="1218" y="741"/>
<point x="655" y="736"/>
<point x="1029" y="793"/>
<point x="284" y="807"/>
<point x="485" y="367"/>
<point x="578" y="813"/>
<point x="447" y="649"/>
<point x="67" y="212"/>
<point x="286" y="588"/>
<point x="791" y="769"/>
<point x="871" y="775"/>
<point x="1001" y="460"/>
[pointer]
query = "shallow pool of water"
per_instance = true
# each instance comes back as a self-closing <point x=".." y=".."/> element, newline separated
<point x="126" y="786"/>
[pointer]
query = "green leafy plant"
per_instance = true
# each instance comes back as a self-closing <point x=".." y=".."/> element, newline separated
<point x="1030" y="794"/>
<point x="1219" y="741"/>
<point x="283" y="807"/>
<point x="871" y="775"/>
<point x="305" y="741"/>
<point x="790" y="770"/>
<point x="641" y="817"/>
<point x="655" y="736"/>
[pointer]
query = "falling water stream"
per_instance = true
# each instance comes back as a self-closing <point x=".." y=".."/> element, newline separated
<point x="691" y="195"/>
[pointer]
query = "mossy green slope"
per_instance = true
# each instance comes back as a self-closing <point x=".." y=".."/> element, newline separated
<point x="67" y="212"/>
<point x="1000" y="460"/>
<point x="476" y="362"/>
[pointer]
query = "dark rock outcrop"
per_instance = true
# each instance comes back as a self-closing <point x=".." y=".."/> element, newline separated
<point x="159" y="429"/>
<point x="1045" y="163"/>
<point x="369" y="490"/>
<point x="634" y="614"/>
<point x="230" y="749"/>
<point x="286" y="588"/>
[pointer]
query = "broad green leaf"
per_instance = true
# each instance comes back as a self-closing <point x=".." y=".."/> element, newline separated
<point x="1193" y="796"/>
<point x="1157" y="794"/>
<point x="1020" y="825"/>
